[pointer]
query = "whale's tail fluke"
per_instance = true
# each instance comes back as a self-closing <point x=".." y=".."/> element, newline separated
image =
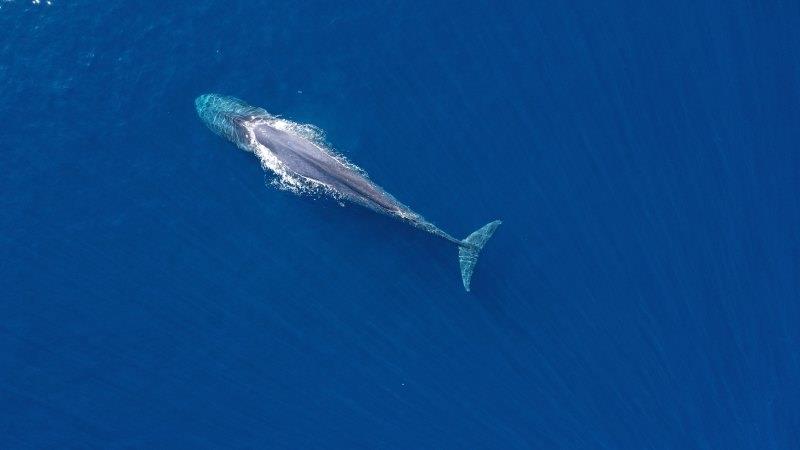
<point x="470" y="249"/>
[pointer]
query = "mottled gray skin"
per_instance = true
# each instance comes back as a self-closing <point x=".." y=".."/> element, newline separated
<point x="305" y="158"/>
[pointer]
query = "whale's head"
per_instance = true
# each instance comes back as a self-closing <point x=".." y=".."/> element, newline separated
<point x="227" y="116"/>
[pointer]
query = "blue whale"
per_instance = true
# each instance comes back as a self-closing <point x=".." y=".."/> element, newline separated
<point x="303" y="163"/>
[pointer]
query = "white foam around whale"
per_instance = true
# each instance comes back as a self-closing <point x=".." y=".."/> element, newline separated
<point x="285" y="179"/>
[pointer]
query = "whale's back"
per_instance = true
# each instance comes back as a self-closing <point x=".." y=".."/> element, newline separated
<point x="305" y="158"/>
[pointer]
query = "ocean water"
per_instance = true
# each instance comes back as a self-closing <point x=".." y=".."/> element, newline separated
<point x="157" y="292"/>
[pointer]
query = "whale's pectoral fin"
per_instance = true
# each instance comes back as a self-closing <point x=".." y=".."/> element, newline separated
<point x="470" y="249"/>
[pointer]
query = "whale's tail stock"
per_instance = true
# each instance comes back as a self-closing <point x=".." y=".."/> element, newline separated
<point x="470" y="248"/>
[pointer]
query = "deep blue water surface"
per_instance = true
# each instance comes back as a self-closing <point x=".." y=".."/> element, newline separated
<point x="641" y="293"/>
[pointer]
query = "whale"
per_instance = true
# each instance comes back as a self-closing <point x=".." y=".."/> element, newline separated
<point x="302" y="162"/>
